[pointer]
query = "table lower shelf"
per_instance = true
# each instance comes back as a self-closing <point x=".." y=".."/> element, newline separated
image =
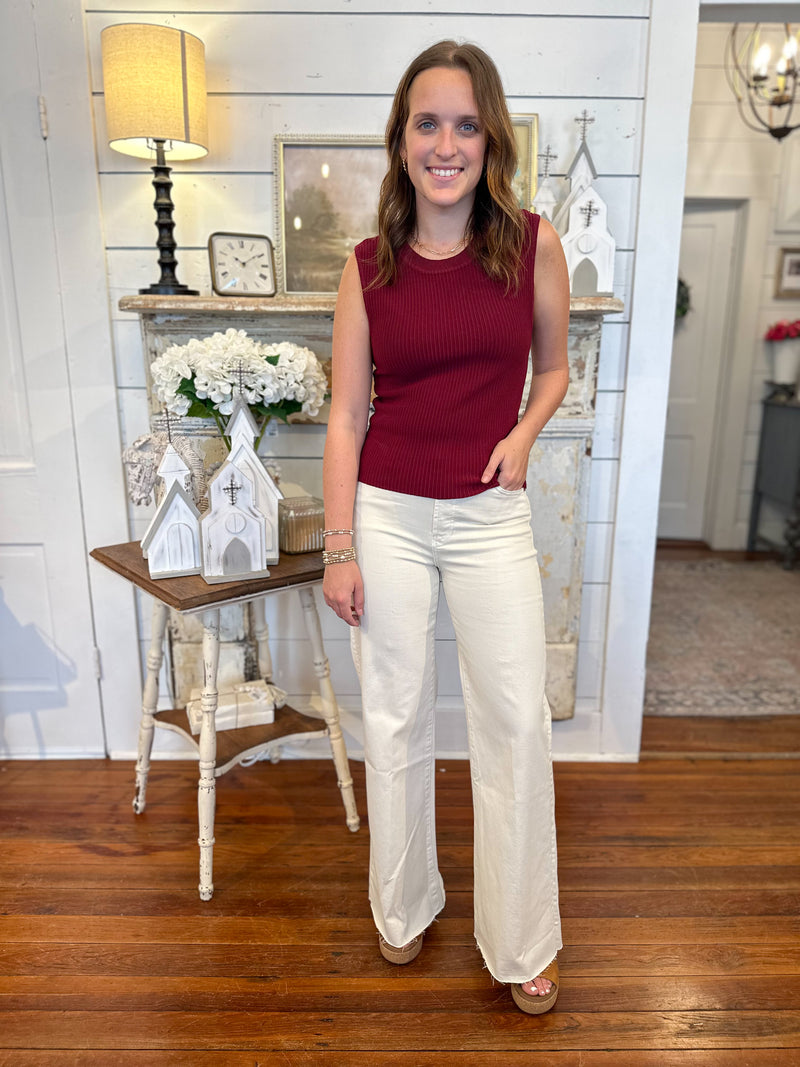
<point x="233" y="746"/>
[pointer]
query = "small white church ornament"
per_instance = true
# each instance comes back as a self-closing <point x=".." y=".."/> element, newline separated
<point x="171" y="544"/>
<point x="545" y="203"/>
<point x="242" y="430"/>
<point x="233" y="530"/>
<point x="581" y="221"/>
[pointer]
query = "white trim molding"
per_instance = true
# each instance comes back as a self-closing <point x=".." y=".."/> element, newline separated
<point x="668" y="97"/>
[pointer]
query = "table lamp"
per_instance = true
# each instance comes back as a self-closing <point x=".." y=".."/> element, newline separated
<point x="154" y="82"/>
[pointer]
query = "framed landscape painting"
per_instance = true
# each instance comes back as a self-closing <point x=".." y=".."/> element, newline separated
<point x="326" y="202"/>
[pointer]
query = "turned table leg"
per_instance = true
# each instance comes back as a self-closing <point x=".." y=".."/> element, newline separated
<point x="261" y="629"/>
<point x="155" y="657"/>
<point x="330" y="709"/>
<point x="206" y="787"/>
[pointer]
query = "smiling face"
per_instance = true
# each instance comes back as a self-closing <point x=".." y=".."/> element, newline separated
<point x="444" y="144"/>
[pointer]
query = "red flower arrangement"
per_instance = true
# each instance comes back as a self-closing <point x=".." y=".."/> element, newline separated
<point x="783" y="330"/>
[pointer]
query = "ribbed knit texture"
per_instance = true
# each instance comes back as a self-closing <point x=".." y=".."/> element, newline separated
<point x="450" y="349"/>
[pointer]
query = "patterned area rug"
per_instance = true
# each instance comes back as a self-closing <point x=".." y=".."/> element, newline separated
<point x="724" y="639"/>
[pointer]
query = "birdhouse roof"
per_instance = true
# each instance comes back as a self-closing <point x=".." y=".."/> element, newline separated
<point x="582" y="156"/>
<point x="171" y="463"/>
<point x="241" y="421"/>
<point x="175" y="490"/>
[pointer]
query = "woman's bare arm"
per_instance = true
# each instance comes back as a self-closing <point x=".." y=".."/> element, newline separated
<point x="550" y="365"/>
<point x="347" y="425"/>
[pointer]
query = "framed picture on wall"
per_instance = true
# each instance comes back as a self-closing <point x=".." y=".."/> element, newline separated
<point x="526" y="134"/>
<point x="326" y="201"/>
<point x="787" y="276"/>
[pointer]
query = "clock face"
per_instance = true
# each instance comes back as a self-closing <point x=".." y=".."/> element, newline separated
<point x="241" y="264"/>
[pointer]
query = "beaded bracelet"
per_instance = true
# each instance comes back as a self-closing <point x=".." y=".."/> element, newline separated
<point x="332" y="533"/>
<point x="339" y="555"/>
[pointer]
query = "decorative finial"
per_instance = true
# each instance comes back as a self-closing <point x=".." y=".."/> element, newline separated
<point x="583" y="121"/>
<point x="232" y="488"/>
<point x="589" y="211"/>
<point x="548" y="156"/>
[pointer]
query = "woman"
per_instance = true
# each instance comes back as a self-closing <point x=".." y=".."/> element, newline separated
<point x="441" y="304"/>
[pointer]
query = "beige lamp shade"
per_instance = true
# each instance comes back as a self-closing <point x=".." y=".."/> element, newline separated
<point x="154" y="81"/>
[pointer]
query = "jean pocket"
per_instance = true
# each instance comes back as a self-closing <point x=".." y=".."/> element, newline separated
<point x="510" y="492"/>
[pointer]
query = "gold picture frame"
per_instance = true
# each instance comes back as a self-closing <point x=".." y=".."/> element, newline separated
<point x="526" y="134"/>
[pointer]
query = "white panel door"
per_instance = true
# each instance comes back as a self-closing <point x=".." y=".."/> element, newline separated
<point x="701" y="338"/>
<point x="49" y="698"/>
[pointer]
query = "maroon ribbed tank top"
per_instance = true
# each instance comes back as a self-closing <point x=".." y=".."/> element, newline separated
<point x="450" y="350"/>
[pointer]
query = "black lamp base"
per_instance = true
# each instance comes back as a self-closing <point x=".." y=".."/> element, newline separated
<point x="178" y="289"/>
<point x="167" y="284"/>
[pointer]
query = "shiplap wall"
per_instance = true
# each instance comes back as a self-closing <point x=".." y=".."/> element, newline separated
<point x="332" y="68"/>
<point x="725" y="156"/>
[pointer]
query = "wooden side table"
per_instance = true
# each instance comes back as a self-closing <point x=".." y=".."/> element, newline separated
<point x="217" y="753"/>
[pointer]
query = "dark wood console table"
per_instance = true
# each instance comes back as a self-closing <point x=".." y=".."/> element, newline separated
<point x="778" y="476"/>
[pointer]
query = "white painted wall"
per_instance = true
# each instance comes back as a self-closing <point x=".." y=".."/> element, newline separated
<point x="330" y="66"/>
<point x="728" y="161"/>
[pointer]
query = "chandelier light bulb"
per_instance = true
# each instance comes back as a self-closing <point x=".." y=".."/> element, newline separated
<point x="761" y="62"/>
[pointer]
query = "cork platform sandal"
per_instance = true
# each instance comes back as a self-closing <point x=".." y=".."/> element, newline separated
<point x="402" y="955"/>
<point x="537" y="1005"/>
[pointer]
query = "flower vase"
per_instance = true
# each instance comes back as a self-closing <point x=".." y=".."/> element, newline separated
<point x="786" y="361"/>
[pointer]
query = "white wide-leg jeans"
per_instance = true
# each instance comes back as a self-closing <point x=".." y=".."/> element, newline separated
<point x="481" y="548"/>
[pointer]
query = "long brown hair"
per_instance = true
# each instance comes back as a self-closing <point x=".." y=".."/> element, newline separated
<point x="496" y="228"/>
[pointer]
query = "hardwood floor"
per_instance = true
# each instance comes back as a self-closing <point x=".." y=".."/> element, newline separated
<point x="679" y="895"/>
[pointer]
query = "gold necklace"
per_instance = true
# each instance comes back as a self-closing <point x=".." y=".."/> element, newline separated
<point x="436" y="251"/>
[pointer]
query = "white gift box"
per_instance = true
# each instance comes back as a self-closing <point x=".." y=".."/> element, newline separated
<point x="244" y="704"/>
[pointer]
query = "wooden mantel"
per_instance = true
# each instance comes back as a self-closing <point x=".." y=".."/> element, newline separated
<point x="301" y="305"/>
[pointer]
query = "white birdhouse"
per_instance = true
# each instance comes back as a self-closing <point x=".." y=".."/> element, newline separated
<point x="242" y="430"/>
<point x="233" y="530"/>
<point x="545" y="203"/>
<point x="582" y="222"/>
<point x="171" y="544"/>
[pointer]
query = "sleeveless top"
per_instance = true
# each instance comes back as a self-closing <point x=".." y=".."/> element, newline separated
<point x="450" y="353"/>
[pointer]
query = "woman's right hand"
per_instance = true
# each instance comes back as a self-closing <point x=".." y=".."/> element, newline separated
<point x="343" y="590"/>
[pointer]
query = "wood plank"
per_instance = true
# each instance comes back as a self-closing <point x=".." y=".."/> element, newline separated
<point x="140" y="870"/>
<point x="429" y="992"/>
<point x="79" y="964"/>
<point x="301" y="900"/>
<point x="343" y="1058"/>
<point x="747" y="738"/>
<point x="597" y="57"/>
<point x="497" y="1030"/>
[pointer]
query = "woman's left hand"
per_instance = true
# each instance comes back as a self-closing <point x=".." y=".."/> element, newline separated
<point x="509" y="459"/>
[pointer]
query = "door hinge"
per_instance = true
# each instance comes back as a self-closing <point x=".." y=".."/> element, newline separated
<point x="98" y="670"/>
<point x="43" y="118"/>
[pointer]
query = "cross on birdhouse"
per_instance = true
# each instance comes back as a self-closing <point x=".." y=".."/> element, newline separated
<point x="232" y="488"/>
<point x="548" y="156"/>
<point x="169" y="418"/>
<point x="588" y="210"/>
<point x="240" y="377"/>
<point x="583" y="121"/>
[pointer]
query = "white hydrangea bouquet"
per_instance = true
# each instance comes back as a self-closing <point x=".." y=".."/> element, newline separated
<point x="203" y="377"/>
